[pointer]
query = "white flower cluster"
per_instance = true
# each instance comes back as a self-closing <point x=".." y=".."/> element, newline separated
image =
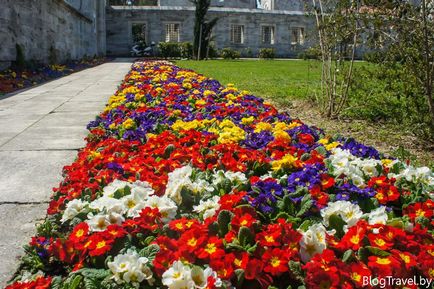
<point x="181" y="178"/>
<point x="208" y="208"/>
<point x="131" y="268"/>
<point x="220" y="176"/>
<point x="354" y="168"/>
<point x="314" y="239"/>
<point x="108" y="209"/>
<point x="422" y="175"/>
<point x="349" y="212"/>
<point x="180" y="276"/>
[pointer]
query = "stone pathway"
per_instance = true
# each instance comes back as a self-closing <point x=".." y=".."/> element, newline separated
<point x="41" y="130"/>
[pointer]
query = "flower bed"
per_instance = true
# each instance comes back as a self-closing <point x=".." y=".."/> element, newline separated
<point x="12" y="80"/>
<point x="185" y="183"/>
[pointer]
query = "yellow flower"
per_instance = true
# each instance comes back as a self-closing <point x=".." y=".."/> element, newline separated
<point x="208" y="93"/>
<point x="112" y="126"/>
<point x="287" y="162"/>
<point x="261" y="126"/>
<point x="231" y="97"/>
<point x="247" y="120"/>
<point x="187" y="85"/>
<point x="129" y="123"/>
<point x="200" y="102"/>
<point x="226" y="123"/>
<point x="281" y="135"/>
<point x="231" y="135"/>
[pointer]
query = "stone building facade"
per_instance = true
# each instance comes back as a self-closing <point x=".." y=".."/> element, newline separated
<point x="244" y="25"/>
<point x="59" y="29"/>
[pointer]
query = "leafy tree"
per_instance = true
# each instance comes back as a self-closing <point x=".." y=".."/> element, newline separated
<point x="202" y="28"/>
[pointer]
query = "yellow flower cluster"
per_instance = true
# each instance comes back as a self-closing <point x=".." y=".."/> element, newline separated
<point x="194" y="124"/>
<point x="228" y="132"/>
<point x="328" y="146"/>
<point x="129" y="124"/>
<point x="115" y="101"/>
<point x="287" y="162"/>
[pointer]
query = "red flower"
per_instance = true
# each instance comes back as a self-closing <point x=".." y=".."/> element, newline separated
<point x="79" y="234"/>
<point x="383" y="266"/>
<point x="100" y="245"/>
<point x="211" y="249"/>
<point x="253" y="269"/>
<point x="114" y="232"/>
<point x="276" y="261"/>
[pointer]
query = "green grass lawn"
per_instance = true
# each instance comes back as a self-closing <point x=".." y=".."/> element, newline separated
<point x="279" y="80"/>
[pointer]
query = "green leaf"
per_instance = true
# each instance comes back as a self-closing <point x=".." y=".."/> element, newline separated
<point x="239" y="273"/>
<point x="377" y="252"/>
<point x="150" y="252"/>
<point x="338" y="224"/>
<point x="245" y="236"/>
<point x="224" y="219"/>
<point x="306" y="204"/>
<point x="347" y="255"/>
<point x="76" y="282"/>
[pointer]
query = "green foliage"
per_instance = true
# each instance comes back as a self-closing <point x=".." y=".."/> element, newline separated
<point x="267" y="53"/>
<point x="175" y="49"/>
<point x="229" y="53"/>
<point x="310" y="53"/>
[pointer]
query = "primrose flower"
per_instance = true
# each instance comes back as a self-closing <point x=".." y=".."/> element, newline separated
<point x="208" y="208"/>
<point x="178" y="276"/>
<point x="73" y="208"/>
<point x="312" y="242"/>
<point x="349" y="212"/>
<point x="131" y="268"/>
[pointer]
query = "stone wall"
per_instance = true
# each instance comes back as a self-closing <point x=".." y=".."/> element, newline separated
<point x="51" y="29"/>
<point x="120" y="40"/>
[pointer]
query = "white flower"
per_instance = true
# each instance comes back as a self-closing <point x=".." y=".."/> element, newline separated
<point x="350" y="213"/>
<point x="165" y="205"/>
<point x="378" y="216"/>
<point x="111" y="188"/>
<point x="220" y="176"/>
<point x="200" y="277"/>
<point x="178" y="276"/>
<point x="108" y="205"/>
<point x="313" y="242"/>
<point x="100" y="222"/>
<point x="130" y="268"/>
<point x="178" y="179"/>
<point x="73" y="208"/>
<point x="208" y="208"/>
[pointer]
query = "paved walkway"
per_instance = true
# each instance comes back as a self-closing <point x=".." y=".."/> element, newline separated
<point x="40" y="132"/>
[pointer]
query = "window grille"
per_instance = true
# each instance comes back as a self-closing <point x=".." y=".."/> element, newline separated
<point x="172" y="32"/>
<point x="237" y="34"/>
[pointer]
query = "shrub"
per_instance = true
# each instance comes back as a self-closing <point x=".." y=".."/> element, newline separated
<point x="267" y="53"/>
<point x="175" y="49"/>
<point x="186" y="49"/>
<point x="168" y="49"/>
<point x="229" y="53"/>
<point x="310" y="53"/>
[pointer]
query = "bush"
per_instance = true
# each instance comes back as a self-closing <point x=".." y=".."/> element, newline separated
<point x="229" y="53"/>
<point x="267" y="53"/>
<point x="310" y="53"/>
<point x="175" y="49"/>
<point x="186" y="49"/>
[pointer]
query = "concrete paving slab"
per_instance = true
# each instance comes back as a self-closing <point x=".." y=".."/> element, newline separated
<point x="29" y="176"/>
<point x="48" y="138"/>
<point x="11" y="240"/>
<point x="88" y="106"/>
<point x="40" y="131"/>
